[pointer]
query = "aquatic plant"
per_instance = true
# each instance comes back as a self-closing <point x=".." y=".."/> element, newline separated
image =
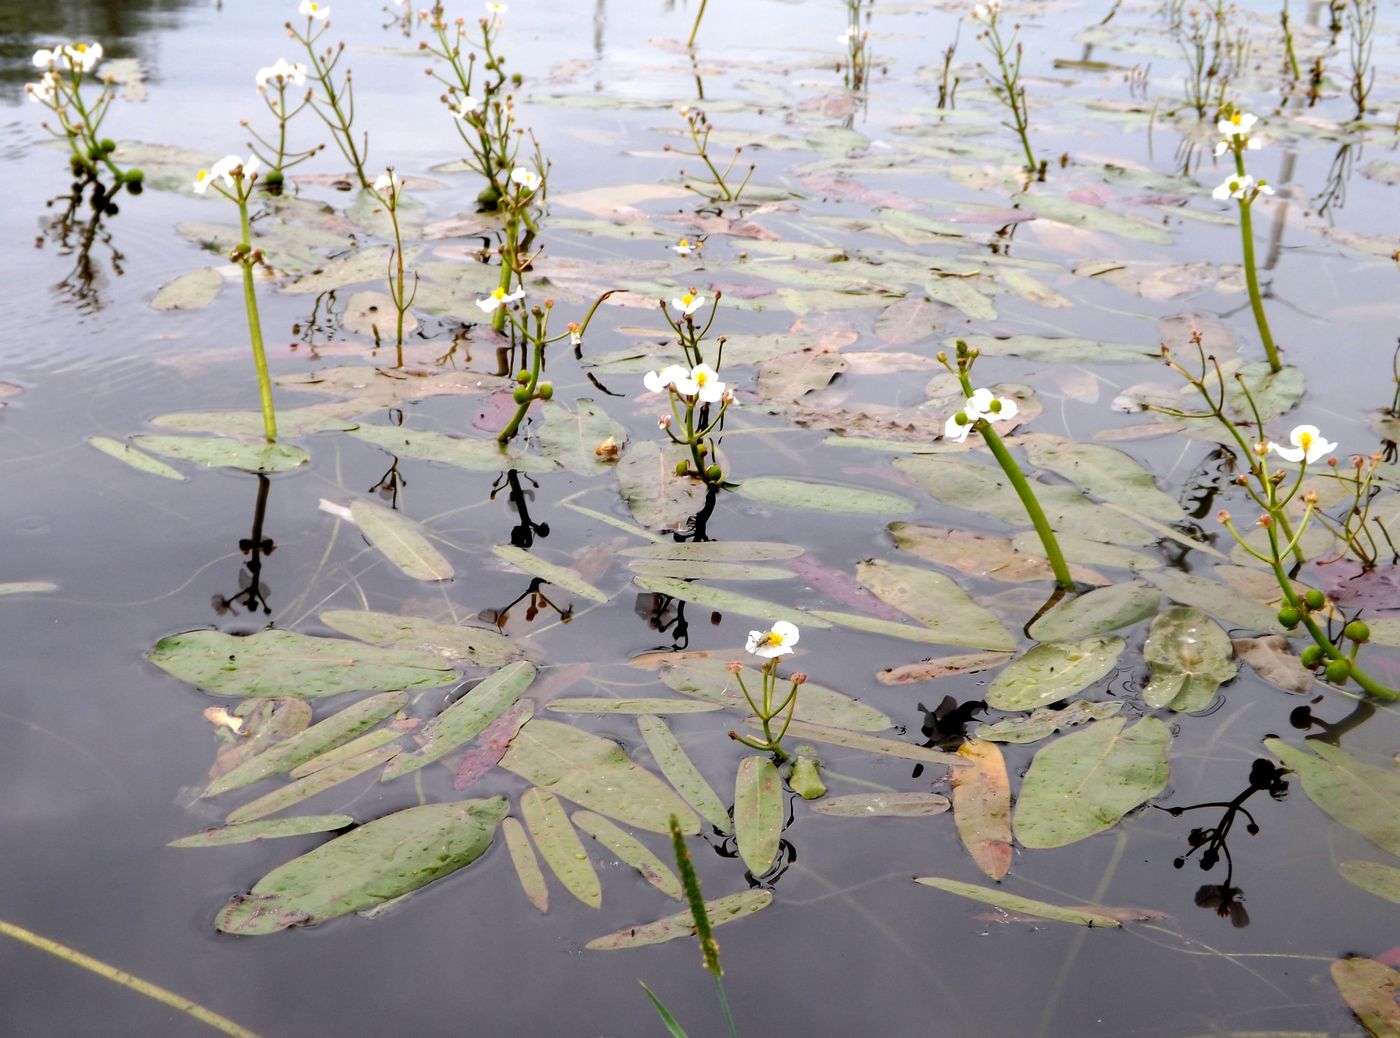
<point x="1361" y="32"/>
<point x="279" y="76"/>
<point x="388" y="188"/>
<point x="336" y="103"/>
<point x="692" y="389"/>
<point x="856" y="41"/>
<point x="1005" y="79"/>
<point x="525" y="190"/>
<point x="770" y="646"/>
<point x="66" y="70"/>
<point x="717" y="187"/>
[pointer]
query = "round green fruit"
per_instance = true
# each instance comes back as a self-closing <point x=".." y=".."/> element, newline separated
<point x="1289" y="617"/>
<point x="1314" y="598"/>
<point x="1357" y="631"/>
<point x="1338" y="671"/>
<point x="521" y="394"/>
<point x="546" y="390"/>
<point x="713" y="473"/>
<point x="1311" y="656"/>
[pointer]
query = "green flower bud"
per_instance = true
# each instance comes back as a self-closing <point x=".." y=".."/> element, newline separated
<point x="713" y="473"/>
<point x="682" y="467"/>
<point x="107" y="145"/>
<point x="521" y="394"/>
<point x="1338" y="671"/>
<point x="1289" y="617"/>
<point x="1311" y="656"/>
<point x="523" y="375"/>
<point x="1357" y="631"/>
<point x="546" y="390"/>
<point x="1314" y="598"/>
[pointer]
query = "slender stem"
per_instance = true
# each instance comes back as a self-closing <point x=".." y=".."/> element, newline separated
<point x="1251" y="278"/>
<point x="1028" y="501"/>
<point x="724" y="1005"/>
<point x="250" y="303"/>
<point x="696" y="27"/>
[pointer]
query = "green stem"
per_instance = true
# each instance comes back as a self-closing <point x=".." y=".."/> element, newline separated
<point x="696" y="27"/>
<point x="250" y="303"/>
<point x="1028" y="501"/>
<point x="1251" y="277"/>
<point x="536" y="361"/>
<point x="724" y="1005"/>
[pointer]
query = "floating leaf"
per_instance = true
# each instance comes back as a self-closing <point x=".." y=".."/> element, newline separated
<point x="658" y="498"/>
<point x="977" y="555"/>
<point x="631" y="851"/>
<point x="821" y="497"/>
<point x="560" y="846"/>
<point x="334" y="731"/>
<point x="892" y="805"/>
<point x="475" y="455"/>
<point x="758" y="812"/>
<point x="982" y="807"/>
<point x="726" y="601"/>
<point x="26" y="587"/>
<point x="969" y="663"/>
<point x="1370" y="988"/>
<point x="591" y="705"/>
<point x="720" y="911"/>
<point x="682" y="773"/>
<point x="401" y="541"/>
<point x="595" y="773"/>
<point x="1046" y="721"/>
<point x="1054" y="671"/>
<point x="714" y="551"/>
<point x="218" y="452"/>
<point x="367" y="866"/>
<point x="1083" y="783"/>
<point x="1095" y="218"/>
<point x="867" y="743"/>
<point x="1096" y="612"/>
<point x="129" y="455"/>
<point x="527" y="866"/>
<point x="1360" y="796"/>
<point x="1378" y="879"/>
<point x="1086" y="552"/>
<point x="452" y="641"/>
<point x="937" y="602"/>
<point x="572" y="437"/>
<point x="1220" y="600"/>
<point x="464" y="719"/>
<point x="1190" y="658"/>
<point x="491" y="745"/>
<point x="307" y="787"/>
<point x="1014" y="903"/>
<point x="250" y="831"/>
<point x="560" y="576"/>
<point x="1104" y="472"/>
<point x="192" y="291"/>
<point x="681" y="569"/>
<point x="292" y="422"/>
<point x="1058" y="350"/>
<point x="282" y="663"/>
<point x="843" y="587"/>
<point x="963" y="293"/>
<point x="709" y="678"/>
<point x="909" y="321"/>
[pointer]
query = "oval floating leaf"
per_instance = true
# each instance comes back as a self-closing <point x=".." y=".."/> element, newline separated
<point x="1378" y="879"/>
<point x="658" y="498"/>
<point x="1096" y="612"/>
<point x="1105" y="472"/>
<point x="726" y="601"/>
<point x="1220" y="600"/>
<point x="192" y="291"/>
<point x="476" y="455"/>
<point x="982" y="807"/>
<point x="250" y="831"/>
<point x="721" y="910"/>
<point x="1190" y="658"/>
<point x="1049" y="673"/>
<point x="1014" y="903"/>
<point x="218" y="452"/>
<point x="1370" y="988"/>
<point x="1046" y="721"/>
<point x="1082" y="784"/>
<point x="821" y="497"/>
<point x="454" y="641"/>
<point x="928" y="670"/>
<point x="282" y="663"/>
<point x="1360" y="796"/>
<point x="560" y="846"/>
<point x="682" y="773"/>
<point x="891" y="805"/>
<point x="758" y="813"/>
<point x="572" y="438"/>
<point x="401" y="541"/>
<point x="527" y="866"/>
<point x="593" y="705"/>
<point x="595" y="773"/>
<point x="714" y="551"/>
<point x="937" y="602"/>
<point x="129" y="455"/>
<point x="367" y="866"/>
<point x="560" y="576"/>
<point x="631" y="851"/>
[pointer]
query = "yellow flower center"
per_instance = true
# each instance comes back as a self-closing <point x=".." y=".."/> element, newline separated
<point x="201" y="175"/>
<point x="687" y="299"/>
<point x="498" y="293"/>
<point x="1235" y="119"/>
<point x="81" y="48"/>
<point x="1305" y="440"/>
<point x="774" y="638"/>
<point x="701" y="378"/>
<point x="685" y="244"/>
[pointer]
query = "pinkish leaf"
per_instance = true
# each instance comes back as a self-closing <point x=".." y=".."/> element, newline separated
<point x="841" y="586"/>
<point x="490" y="746"/>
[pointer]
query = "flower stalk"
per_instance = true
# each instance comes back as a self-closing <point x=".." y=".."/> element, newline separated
<point x="1235" y="127"/>
<point x="336" y="105"/>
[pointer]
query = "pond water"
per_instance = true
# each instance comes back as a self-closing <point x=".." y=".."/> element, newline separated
<point x="879" y="227"/>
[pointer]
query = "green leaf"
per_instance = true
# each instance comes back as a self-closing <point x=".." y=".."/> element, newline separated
<point x="369" y="741"/>
<point x="595" y="773"/>
<point x="192" y="291"/>
<point x="709" y="678"/>
<point x="26" y="587"/>
<point x="963" y="294"/>
<point x="1360" y="796"/>
<point x="721" y="910"/>
<point x="308" y="786"/>
<point x="1096" y="612"/>
<point x="401" y="541"/>
<point x="218" y="452"/>
<point x="1054" y="671"/>
<point x="758" y="812"/>
<point x="937" y="602"/>
<point x="1371" y="876"/>
<point x="454" y="642"/>
<point x="560" y="576"/>
<point x="1013" y="903"/>
<point x="352" y="268"/>
<point x="682" y="569"/>
<point x="682" y="773"/>
<point x="465" y="719"/>
<point x="867" y="743"/>
<point x="527" y="866"/>
<point x="821" y="497"/>
<point x="1104" y="472"/>
<point x="628" y="849"/>
<point x="572" y="437"/>
<point x="475" y="455"/>
<point x="1220" y="600"/>
<point x="129" y="455"/>
<point x="281" y="663"/>
<point x="714" y="551"/>
<point x="560" y="846"/>
<point x="1095" y="218"/>
<point x="1082" y="784"/>
<point x="891" y="805"/>
<point x="1370" y="988"/>
<point x="1086" y="552"/>
<point x="909" y="321"/>
<point x="977" y="555"/>
<point x="367" y="866"/>
<point x="293" y="422"/>
<point x="1046" y="721"/>
<point x="1057" y="349"/>
<point x="982" y="807"/>
<point x="250" y="831"/>
<point x="708" y="597"/>
<point x="657" y="705"/>
<point x="658" y="498"/>
<point x="1190" y="658"/>
<point x="673" y="1027"/>
<point x="334" y="731"/>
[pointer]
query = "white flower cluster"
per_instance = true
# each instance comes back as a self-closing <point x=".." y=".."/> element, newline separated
<point x="1234" y="128"/>
<point x="311" y="9"/>
<point x="701" y="381"/>
<point x="81" y="57"/>
<point x="1243" y="187"/>
<point x="986" y="12"/>
<point x="981" y="404"/>
<point x="283" y="72"/>
<point x="230" y="169"/>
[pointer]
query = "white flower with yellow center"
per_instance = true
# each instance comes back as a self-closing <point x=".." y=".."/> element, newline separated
<point x="1235" y="186"/>
<point x="45" y="91"/>
<point x="981" y="404"/>
<point x="498" y="298"/>
<point x="389" y="183"/>
<point x="223" y="170"/>
<point x="465" y="107"/>
<point x="526" y="178"/>
<point x="671" y="376"/>
<point x="1236" y="124"/>
<point x="707" y="383"/>
<point x="985" y="12"/>
<point x="495" y="10"/>
<point x="685" y="247"/>
<point x="1308" y="445"/>
<point x="778" y="640"/>
<point x="44" y="58"/>
<point x="82" y="56"/>
<point x="311" y="9"/>
<point x="688" y="303"/>
<point x="283" y="71"/>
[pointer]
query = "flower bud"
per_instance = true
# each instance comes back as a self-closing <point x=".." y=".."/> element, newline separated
<point x="735" y="667"/>
<point x="664" y="422"/>
<point x="1222" y="517"/>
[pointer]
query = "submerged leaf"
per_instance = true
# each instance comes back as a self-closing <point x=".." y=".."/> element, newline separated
<point x="1190" y="658"/>
<point x="1014" y="903"/>
<point x="720" y="911"/>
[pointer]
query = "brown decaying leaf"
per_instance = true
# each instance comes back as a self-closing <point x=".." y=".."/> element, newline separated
<point x="1370" y="988"/>
<point x="1273" y="660"/>
<point x="966" y="663"/>
<point x="982" y="807"/>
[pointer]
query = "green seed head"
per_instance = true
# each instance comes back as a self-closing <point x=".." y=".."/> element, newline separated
<point x="1357" y="631"/>
<point x="1311" y="656"/>
<point x="1289" y="617"/>
<point x="546" y="390"/>
<point x="521" y="394"/>
<point x="1314" y="598"/>
<point x="1338" y="671"/>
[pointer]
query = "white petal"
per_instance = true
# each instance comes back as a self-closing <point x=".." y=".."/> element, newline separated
<point x="1287" y="453"/>
<point x="1008" y="411"/>
<point x="788" y="632"/>
<point x="488" y="304"/>
<point x="653" y="382"/>
<point x="955" y="430"/>
<point x="978" y="403"/>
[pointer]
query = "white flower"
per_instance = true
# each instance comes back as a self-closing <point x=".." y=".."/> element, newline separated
<point x="981" y="404"/>
<point x="685" y="247"/>
<point x="778" y="640"/>
<point x="1238" y="124"/>
<point x="389" y="182"/>
<point x="688" y="303"/>
<point x="44" y="91"/>
<point x="499" y="297"/>
<point x="43" y="58"/>
<point x="495" y="10"/>
<point x="466" y="107"/>
<point x="1262" y="188"/>
<point x="671" y="375"/>
<point x="312" y="9"/>
<point x="1308" y="445"/>
<point x="82" y="56"/>
<point x="1251" y="144"/>
<point x="985" y="12"/>
<point x="284" y="72"/>
<point x="707" y="383"/>
<point x="1235" y="186"/>
<point x="526" y="178"/>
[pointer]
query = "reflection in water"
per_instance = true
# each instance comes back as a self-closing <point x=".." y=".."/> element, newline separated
<point x="1226" y="899"/>
<point x="1330" y="732"/>
<point x="536" y="602"/>
<point x="252" y="592"/>
<point x="74" y="233"/>
<point x="522" y="534"/>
